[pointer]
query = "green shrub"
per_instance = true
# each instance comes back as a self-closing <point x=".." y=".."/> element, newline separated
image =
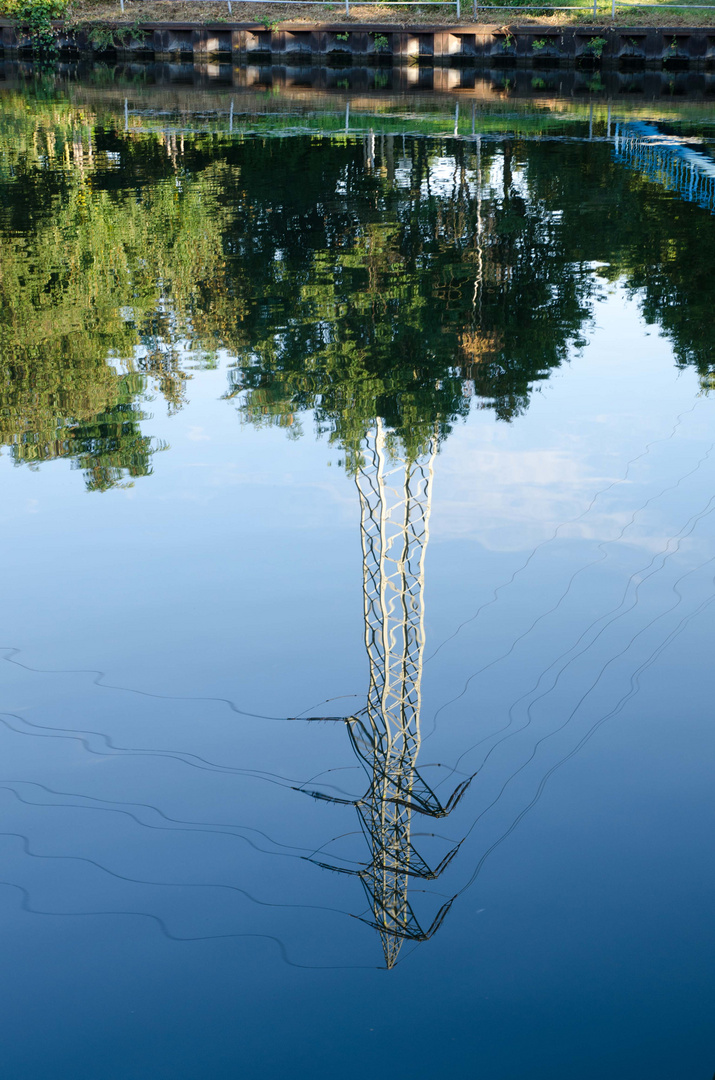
<point x="38" y="16"/>
<point x="595" y="46"/>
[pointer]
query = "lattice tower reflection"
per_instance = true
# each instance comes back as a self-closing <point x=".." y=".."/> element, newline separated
<point x="395" y="501"/>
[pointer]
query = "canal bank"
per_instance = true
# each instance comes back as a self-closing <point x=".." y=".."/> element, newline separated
<point x="386" y="44"/>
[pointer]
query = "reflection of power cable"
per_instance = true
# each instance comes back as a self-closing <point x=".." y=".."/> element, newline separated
<point x="361" y="832"/>
<point x="194" y="761"/>
<point x="25" y="843"/>
<point x="586" y="693"/>
<point x="563" y="525"/>
<point x="633" y="690"/>
<point x="618" y="708"/>
<point x="101" y="675"/>
<point x="601" y="547"/>
<point x="686" y="531"/>
<point x="173" y="824"/>
<point x="165" y="932"/>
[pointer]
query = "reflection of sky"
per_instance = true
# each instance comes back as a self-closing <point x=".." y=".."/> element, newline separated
<point x="445" y="174"/>
<point x="509" y="485"/>
<point x="235" y="571"/>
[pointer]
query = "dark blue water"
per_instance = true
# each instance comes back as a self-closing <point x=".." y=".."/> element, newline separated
<point x="358" y="511"/>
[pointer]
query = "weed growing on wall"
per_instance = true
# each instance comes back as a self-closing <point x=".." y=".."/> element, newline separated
<point x="595" y="46"/>
<point x="38" y="16"/>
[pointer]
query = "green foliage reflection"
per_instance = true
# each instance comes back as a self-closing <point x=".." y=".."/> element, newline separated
<point x="350" y="278"/>
<point x="97" y="287"/>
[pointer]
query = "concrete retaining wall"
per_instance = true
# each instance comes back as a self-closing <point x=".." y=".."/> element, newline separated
<point x="465" y="45"/>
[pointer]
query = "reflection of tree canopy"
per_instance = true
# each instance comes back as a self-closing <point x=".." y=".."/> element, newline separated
<point x="663" y="247"/>
<point x="393" y="292"/>
<point x="97" y="285"/>
<point x="352" y="279"/>
<point x="406" y="283"/>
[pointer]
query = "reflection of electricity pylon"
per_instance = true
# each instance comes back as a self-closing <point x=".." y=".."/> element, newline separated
<point x="395" y="500"/>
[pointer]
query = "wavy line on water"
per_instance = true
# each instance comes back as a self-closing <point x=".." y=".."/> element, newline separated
<point x="25" y="844"/>
<point x="25" y="906"/>
<point x="563" y="525"/>
<point x="634" y="688"/>
<point x="14" y="651"/>
<point x="581" y="700"/>
<point x="587" y="566"/>
<point x="684" y="533"/>
<point x="176" y="824"/>
<point x="655" y="619"/>
<point x="194" y="761"/>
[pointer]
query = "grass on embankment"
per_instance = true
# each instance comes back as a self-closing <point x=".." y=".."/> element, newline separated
<point x="108" y="11"/>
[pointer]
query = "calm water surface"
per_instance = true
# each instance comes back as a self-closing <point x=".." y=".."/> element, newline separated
<point x="358" y="518"/>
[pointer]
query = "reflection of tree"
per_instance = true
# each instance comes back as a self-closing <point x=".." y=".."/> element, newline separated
<point x="97" y="286"/>
<point x="398" y="279"/>
<point x="660" y="245"/>
<point x="382" y="318"/>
